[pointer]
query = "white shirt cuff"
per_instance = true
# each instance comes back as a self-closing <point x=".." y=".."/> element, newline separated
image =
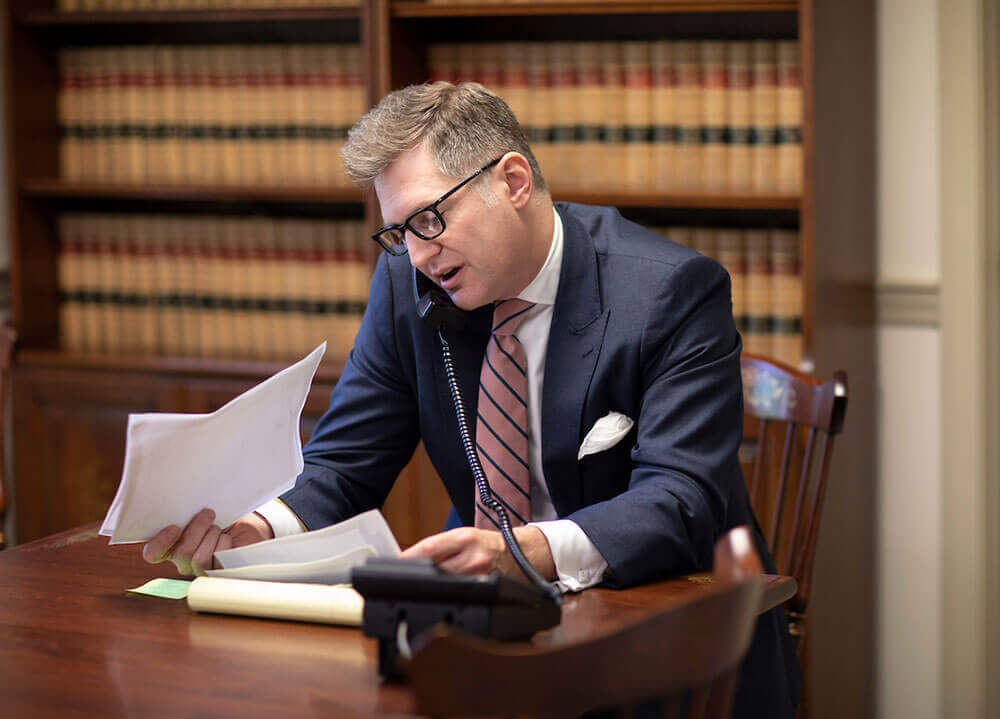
<point x="283" y="521"/>
<point x="578" y="563"/>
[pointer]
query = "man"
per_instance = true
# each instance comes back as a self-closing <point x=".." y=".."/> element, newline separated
<point x="606" y="324"/>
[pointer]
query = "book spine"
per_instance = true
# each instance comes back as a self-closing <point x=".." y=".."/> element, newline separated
<point x="589" y="118"/>
<point x="104" y="95"/>
<point x="732" y="256"/>
<point x="227" y="108"/>
<point x="738" y="116"/>
<point x="111" y="279"/>
<point x="442" y="60"/>
<point x="703" y="241"/>
<point x="140" y="239"/>
<point x="69" y="108"/>
<point x="235" y="232"/>
<point x="713" y="116"/>
<point x="201" y="300"/>
<point x="285" y="120"/>
<point x="562" y="118"/>
<point x="315" y="285"/>
<point x="297" y="78"/>
<point x="612" y="116"/>
<point x="663" y="114"/>
<point x="789" y="118"/>
<point x="757" y="337"/>
<point x="357" y="105"/>
<point x="72" y="287"/>
<point x="680" y="235"/>
<point x="786" y="297"/>
<point x="638" y="115"/>
<point x="538" y="103"/>
<point x="687" y="94"/>
<point x="166" y="267"/>
<point x="126" y="294"/>
<point x="764" y="105"/>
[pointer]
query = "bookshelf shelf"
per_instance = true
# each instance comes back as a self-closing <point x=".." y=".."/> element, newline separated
<point x="335" y="24"/>
<point x="57" y="189"/>
<point x="413" y="9"/>
<point x="328" y="371"/>
<point x="666" y="199"/>
<point x="188" y="17"/>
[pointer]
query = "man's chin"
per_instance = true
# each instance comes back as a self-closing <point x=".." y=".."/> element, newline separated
<point x="464" y="300"/>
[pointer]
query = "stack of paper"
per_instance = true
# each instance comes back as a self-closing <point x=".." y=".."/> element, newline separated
<point x="324" y="556"/>
<point x="232" y="460"/>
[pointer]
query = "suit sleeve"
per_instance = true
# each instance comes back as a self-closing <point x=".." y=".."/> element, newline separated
<point x="685" y="466"/>
<point x="370" y="430"/>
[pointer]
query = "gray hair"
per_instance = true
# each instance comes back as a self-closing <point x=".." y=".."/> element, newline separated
<point x="466" y="126"/>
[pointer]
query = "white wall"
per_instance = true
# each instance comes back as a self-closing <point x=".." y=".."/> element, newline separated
<point x="909" y="531"/>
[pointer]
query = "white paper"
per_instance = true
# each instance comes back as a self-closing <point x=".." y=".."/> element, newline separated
<point x="368" y="529"/>
<point x="232" y="460"/>
<point x="332" y="570"/>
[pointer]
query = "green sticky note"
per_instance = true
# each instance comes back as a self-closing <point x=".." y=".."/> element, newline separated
<point x="164" y="588"/>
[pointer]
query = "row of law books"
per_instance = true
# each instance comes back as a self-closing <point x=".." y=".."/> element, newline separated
<point x="216" y="114"/>
<point x="765" y="269"/>
<point x="680" y="116"/>
<point x="140" y="5"/>
<point x="211" y="286"/>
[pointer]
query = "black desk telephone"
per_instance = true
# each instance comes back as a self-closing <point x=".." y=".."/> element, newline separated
<point x="406" y="597"/>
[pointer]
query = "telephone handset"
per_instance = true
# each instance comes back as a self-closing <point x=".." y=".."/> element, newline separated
<point x="405" y="597"/>
<point x="434" y="306"/>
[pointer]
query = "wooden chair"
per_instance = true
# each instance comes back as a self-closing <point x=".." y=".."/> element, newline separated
<point x="790" y="422"/>
<point x="698" y="645"/>
<point x="7" y="339"/>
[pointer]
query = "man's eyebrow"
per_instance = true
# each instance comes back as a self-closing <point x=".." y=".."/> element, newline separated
<point x="417" y="208"/>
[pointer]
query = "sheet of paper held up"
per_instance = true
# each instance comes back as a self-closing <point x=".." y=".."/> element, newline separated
<point x="232" y="460"/>
<point x="324" y="556"/>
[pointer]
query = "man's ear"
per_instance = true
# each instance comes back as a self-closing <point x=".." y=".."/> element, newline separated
<point x="518" y="179"/>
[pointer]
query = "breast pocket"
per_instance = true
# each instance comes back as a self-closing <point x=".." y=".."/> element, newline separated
<point x="605" y="474"/>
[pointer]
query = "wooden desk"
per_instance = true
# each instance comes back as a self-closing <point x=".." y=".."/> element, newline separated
<point x="73" y="644"/>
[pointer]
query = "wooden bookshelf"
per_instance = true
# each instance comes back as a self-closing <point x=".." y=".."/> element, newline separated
<point x="409" y="9"/>
<point x="70" y="409"/>
<point x="58" y="189"/>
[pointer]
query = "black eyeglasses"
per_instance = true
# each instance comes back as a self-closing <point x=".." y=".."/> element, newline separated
<point x="426" y="223"/>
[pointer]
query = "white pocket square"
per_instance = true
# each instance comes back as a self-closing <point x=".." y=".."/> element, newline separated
<point x="605" y="434"/>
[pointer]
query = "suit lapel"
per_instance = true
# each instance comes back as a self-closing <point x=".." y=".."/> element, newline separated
<point x="575" y="339"/>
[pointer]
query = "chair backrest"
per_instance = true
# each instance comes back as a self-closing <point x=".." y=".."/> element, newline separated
<point x="8" y="337"/>
<point x="790" y="422"/>
<point x="693" y="646"/>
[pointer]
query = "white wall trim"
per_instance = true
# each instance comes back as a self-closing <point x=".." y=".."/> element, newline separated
<point x="910" y="304"/>
<point x="968" y="245"/>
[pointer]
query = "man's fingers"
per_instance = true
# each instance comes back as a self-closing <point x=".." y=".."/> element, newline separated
<point x="460" y="551"/>
<point x="191" y="539"/>
<point x="158" y="548"/>
<point x="202" y="557"/>
<point x="437" y="547"/>
<point x="225" y="542"/>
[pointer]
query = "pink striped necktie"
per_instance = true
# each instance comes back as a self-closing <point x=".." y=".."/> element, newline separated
<point x="502" y="418"/>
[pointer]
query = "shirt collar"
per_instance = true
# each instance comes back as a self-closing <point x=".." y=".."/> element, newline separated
<point x="542" y="290"/>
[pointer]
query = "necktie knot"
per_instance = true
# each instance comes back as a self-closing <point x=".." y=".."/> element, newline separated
<point x="507" y="315"/>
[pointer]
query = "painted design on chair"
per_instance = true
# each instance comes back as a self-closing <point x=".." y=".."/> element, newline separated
<point x="765" y="394"/>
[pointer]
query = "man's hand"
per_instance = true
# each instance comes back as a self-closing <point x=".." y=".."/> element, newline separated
<point x="192" y="549"/>
<point x="479" y="551"/>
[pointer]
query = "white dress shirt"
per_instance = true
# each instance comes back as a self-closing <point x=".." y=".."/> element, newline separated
<point x="578" y="563"/>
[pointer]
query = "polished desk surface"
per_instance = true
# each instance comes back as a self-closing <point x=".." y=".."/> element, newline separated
<point x="74" y="644"/>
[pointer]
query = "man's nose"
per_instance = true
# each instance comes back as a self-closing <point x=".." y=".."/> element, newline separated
<point x="420" y="251"/>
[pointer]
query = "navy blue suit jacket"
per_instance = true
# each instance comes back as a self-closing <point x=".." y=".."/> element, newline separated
<point x="641" y="326"/>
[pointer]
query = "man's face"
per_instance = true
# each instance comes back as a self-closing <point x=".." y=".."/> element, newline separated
<point x="481" y="256"/>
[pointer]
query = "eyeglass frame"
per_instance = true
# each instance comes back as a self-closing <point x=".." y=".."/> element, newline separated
<point x="433" y="208"/>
